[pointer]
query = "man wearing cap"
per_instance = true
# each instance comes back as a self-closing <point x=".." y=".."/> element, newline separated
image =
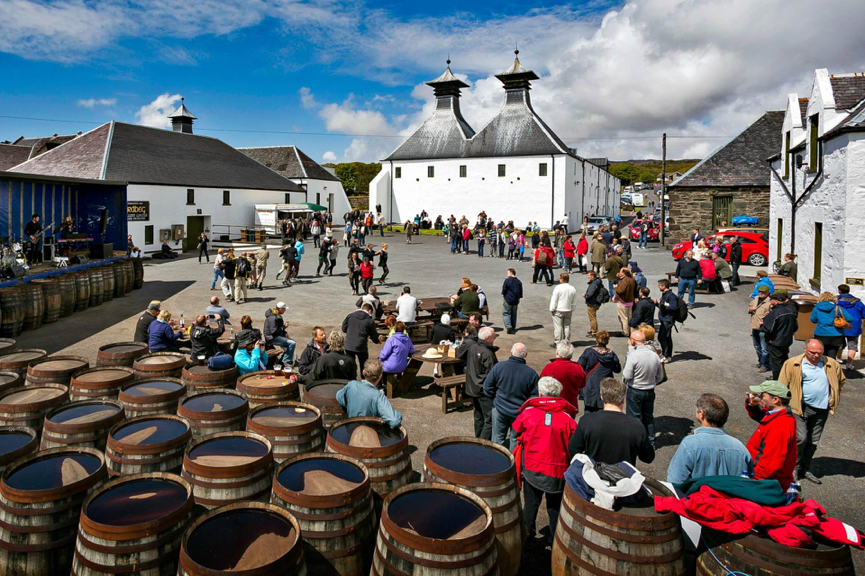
<point x="359" y="328"/>
<point x="275" y="334"/>
<point x="758" y="309"/>
<point x="815" y="383"/>
<point x="773" y="444"/>
<point x="779" y="326"/>
<point x="144" y="322"/>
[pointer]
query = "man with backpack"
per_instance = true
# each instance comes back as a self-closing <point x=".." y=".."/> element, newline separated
<point x="289" y="262"/>
<point x="668" y="308"/>
<point x="241" y="275"/>
<point x="595" y="295"/>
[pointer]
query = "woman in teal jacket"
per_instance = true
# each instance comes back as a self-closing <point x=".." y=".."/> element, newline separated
<point x="251" y="357"/>
<point x="823" y="316"/>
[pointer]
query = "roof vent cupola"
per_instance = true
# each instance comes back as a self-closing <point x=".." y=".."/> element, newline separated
<point x="182" y="118"/>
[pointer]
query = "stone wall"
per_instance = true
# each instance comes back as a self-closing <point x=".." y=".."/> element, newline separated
<point x="691" y="207"/>
<point x="359" y="202"/>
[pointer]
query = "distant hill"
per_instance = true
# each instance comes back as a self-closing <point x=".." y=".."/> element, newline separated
<point x="647" y="170"/>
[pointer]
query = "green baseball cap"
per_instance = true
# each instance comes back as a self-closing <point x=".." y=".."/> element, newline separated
<point x="772" y="387"/>
<point x="762" y="288"/>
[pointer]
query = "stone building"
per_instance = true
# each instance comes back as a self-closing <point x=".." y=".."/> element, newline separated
<point x="732" y="181"/>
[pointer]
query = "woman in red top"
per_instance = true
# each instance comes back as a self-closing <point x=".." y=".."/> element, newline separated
<point x="570" y="251"/>
<point x="367" y="273"/>
<point x="582" y="250"/>
<point x="543" y="428"/>
<point x="544" y="258"/>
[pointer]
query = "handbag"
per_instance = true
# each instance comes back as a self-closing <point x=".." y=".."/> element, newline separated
<point x="198" y="247"/>
<point x="542" y="258"/>
<point x="220" y="361"/>
<point x="840" y="322"/>
<point x="726" y="285"/>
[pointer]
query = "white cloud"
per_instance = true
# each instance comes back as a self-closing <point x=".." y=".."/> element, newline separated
<point x="156" y="113"/>
<point x="307" y="100"/>
<point x="328" y="156"/>
<point x="92" y="102"/>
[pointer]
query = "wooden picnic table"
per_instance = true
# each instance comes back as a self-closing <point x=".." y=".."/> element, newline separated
<point x="435" y="307"/>
<point x="415" y="363"/>
<point x="224" y="341"/>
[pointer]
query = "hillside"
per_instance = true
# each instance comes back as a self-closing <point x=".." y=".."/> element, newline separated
<point x="647" y="170"/>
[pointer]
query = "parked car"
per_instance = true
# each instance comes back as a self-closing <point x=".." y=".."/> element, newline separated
<point x="755" y="247"/>
<point x="651" y="234"/>
<point x="596" y="222"/>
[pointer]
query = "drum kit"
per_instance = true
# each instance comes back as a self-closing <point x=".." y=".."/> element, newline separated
<point x="13" y="263"/>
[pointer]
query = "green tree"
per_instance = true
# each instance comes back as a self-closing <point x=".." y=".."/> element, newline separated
<point x="627" y="173"/>
<point x="348" y="175"/>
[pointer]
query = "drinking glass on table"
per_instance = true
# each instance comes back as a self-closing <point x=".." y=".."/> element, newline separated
<point x="278" y="369"/>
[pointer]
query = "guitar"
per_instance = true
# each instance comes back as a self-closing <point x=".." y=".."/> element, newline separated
<point x="34" y="238"/>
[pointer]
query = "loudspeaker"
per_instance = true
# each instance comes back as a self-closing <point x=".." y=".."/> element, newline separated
<point x="101" y="251"/>
<point x="80" y="259"/>
<point x="103" y="221"/>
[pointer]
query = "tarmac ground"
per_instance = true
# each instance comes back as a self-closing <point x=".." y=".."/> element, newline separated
<point x="713" y="352"/>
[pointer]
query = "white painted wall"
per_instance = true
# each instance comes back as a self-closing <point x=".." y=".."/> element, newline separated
<point x="854" y="258"/>
<point x="168" y="206"/>
<point x="323" y="188"/>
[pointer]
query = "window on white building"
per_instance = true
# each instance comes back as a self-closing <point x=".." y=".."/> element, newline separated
<point x="148" y="235"/>
<point x="501" y="170"/>
<point x="780" y="237"/>
<point x="397" y="172"/>
<point x="430" y="171"/>
<point x="190" y="197"/>
<point x="787" y="155"/>
<point x="814" y="125"/>
<point x="226" y="198"/>
<point x="542" y="169"/>
<point x="463" y="171"/>
<point x="288" y="198"/>
<point x="818" y="254"/>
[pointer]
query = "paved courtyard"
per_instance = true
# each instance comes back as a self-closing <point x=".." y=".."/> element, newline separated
<point x="713" y="351"/>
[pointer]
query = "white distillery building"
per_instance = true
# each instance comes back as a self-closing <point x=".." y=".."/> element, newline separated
<point x="821" y="171"/>
<point x="321" y="186"/>
<point x="515" y="168"/>
<point x="178" y="183"/>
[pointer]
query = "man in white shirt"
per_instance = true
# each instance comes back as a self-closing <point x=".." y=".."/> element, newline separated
<point x="562" y="304"/>
<point x="406" y="307"/>
<point x="565" y="221"/>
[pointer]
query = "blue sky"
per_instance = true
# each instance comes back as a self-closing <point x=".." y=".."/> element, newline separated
<point x="614" y="75"/>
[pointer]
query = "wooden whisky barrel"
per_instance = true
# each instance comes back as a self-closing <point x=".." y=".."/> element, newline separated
<point x="435" y="529"/>
<point x="27" y="405"/>
<point x="322" y="395"/>
<point x="214" y="411"/>
<point x="138" y="273"/>
<point x="34" y="306"/>
<point x="133" y="525"/>
<point x="10" y="380"/>
<point x="488" y="470"/>
<point x="66" y="287"/>
<point x="15" y="442"/>
<point x="82" y="424"/>
<point x="147" y="444"/>
<point x="82" y="291"/>
<point x="120" y="353"/>
<point x="229" y="467"/>
<point x="55" y="369"/>
<point x="266" y="387"/>
<point x="330" y="496"/>
<point x="751" y="554"/>
<point x="119" y="279"/>
<point x="11" y="312"/>
<point x="7" y="345"/>
<point x="129" y="274"/>
<point x="107" y="272"/>
<point x="292" y="428"/>
<point x="50" y="299"/>
<point x="383" y="450"/>
<point x="102" y="382"/>
<point x="151" y="396"/>
<point x="41" y="496"/>
<point x="201" y="378"/>
<point x="246" y="538"/>
<point x="18" y="360"/>
<point x="159" y="365"/>
<point x="94" y="277"/>
<point x="633" y="540"/>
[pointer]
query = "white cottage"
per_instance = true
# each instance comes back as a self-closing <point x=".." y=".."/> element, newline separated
<point x="179" y="183"/>
<point x="817" y="199"/>
<point x="515" y="168"/>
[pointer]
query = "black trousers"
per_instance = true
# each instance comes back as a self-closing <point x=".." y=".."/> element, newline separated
<point x="360" y="357"/>
<point x="544" y="272"/>
<point x="809" y="429"/>
<point x="384" y="272"/>
<point x="665" y="338"/>
<point x="532" y="497"/>
<point x="322" y="262"/>
<point x="483" y="417"/>
<point x="777" y="356"/>
<point x="203" y="252"/>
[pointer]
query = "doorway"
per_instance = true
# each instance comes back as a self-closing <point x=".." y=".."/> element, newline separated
<point x="722" y="210"/>
<point x="194" y="228"/>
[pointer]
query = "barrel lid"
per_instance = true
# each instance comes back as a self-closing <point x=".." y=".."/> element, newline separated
<point x="123" y="347"/>
<point x="59" y="364"/>
<point x="283" y="415"/>
<point x="366" y="433"/>
<point x="15" y="438"/>
<point x="103" y="374"/>
<point x="151" y="387"/>
<point x="325" y="389"/>
<point x="32" y="394"/>
<point x="23" y="355"/>
<point x="161" y="358"/>
<point x="147" y="430"/>
<point x="213" y="402"/>
<point x="321" y="475"/>
<point x="198" y="369"/>
<point x="7" y="377"/>
<point x="84" y="412"/>
<point x="143" y="499"/>
<point x="7" y="344"/>
<point x="469" y="457"/>
<point x="53" y="469"/>
<point x="435" y="513"/>
<point x="227" y="450"/>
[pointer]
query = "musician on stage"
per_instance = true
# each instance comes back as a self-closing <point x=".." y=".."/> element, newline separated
<point x="33" y="232"/>
<point x="66" y="228"/>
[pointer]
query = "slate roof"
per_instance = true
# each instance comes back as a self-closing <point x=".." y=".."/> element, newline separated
<point x="142" y="155"/>
<point x="12" y="155"/>
<point x="848" y="89"/>
<point x="290" y="161"/>
<point x="803" y="110"/>
<point x="741" y="161"/>
<point x="854" y="122"/>
<point x="44" y="144"/>
<point x="600" y="162"/>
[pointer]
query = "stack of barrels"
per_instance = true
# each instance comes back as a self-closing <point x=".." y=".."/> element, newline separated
<point x="30" y="304"/>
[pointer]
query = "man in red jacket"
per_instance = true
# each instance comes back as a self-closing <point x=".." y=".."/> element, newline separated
<point x="569" y="373"/>
<point x="543" y="427"/>
<point x="773" y="445"/>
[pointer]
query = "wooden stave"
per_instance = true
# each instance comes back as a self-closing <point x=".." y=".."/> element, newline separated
<point x="119" y="280"/>
<point x="158" y="403"/>
<point x="129" y="273"/>
<point x="31" y="415"/>
<point x="39" y="376"/>
<point x="20" y="366"/>
<point x="338" y="530"/>
<point x="258" y="396"/>
<point x="94" y="277"/>
<point x="475" y="554"/>
<point x="331" y="410"/>
<point x="570" y="545"/>
<point x="17" y="380"/>
<point x="11" y="312"/>
<point x="308" y="437"/>
<point x="34" y="306"/>
<point x="81" y="389"/>
<point x="66" y="288"/>
<point x="89" y="435"/>
<point x="128" y="459"/>
<point x="211" y="380"/>
<point x="138" y="273"/>
<point x="291" y="564"/>
<point x="50" y="299"/>
<point x="168" y="370"/>
<point x="82" y="291"/>
<point x="46" y="551"/>
<point x="149" y="548"/>
<point x="209" y="423"/>
<point x="104" y="357"/>
<point x="247" y="482"/>
<point x="499" y="491"/>
<point x="29" y="448"/>
<point x="107" y="282"/>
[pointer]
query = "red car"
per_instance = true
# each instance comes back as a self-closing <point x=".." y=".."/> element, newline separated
<point x="755" y="247"/>
<point x="651" y="235"/>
